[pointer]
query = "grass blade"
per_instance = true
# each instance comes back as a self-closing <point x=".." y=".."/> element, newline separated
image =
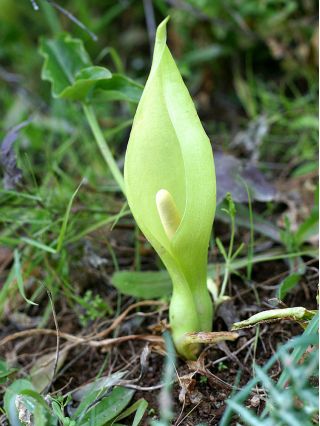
<point x="66" y="219"/>
<point x="18" y="277"/>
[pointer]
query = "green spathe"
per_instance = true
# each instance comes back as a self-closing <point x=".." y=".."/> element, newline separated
<point x="169" y="152"/>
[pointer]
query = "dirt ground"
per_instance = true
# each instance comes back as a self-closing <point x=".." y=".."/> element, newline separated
<point x="200" y="389"/>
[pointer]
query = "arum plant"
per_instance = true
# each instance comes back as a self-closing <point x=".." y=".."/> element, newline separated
<point x="170" y="186"/>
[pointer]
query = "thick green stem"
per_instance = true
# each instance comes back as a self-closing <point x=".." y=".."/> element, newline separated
<point x="103" y="146"/>
<point x="190" y="312"/>
<point x="183" y="318"/>
<point x="204" y="305"/>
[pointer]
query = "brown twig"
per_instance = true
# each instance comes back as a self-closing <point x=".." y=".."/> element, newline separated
<point x="91" y="340"/>
<point x="68" y="15"/>
<point x="123" y="315"/>
<point x="117" y="340"/>
<point x="150" y="21"/>
<point x="224" y="358"/>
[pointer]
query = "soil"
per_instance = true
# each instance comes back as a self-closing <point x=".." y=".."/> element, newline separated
<point x="197" y="398"/>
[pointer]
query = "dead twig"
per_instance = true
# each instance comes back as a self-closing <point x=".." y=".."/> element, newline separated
<point x="198" y="366"/>
<point x="91" y="340"/>
<point x="81" y="341"/>
<point x="68" y="15"/>
<point x="117" y="340"/>
<point x="150" y="21"/>
<point x="124" y="314"/>
<point x="224" y="358"/>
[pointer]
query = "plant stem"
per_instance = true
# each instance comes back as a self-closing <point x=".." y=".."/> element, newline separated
<point x="228" y="262"/>
<point x="224" y="283"/>
<point x="232" y="237"/>
<point x="103" y="146"/>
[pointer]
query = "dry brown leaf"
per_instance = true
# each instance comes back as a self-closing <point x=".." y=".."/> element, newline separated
<point x="211" y="337"/>
<point x="42" y="371"/>
<point x="187" y="385"/>
<point x="199" y="367"/>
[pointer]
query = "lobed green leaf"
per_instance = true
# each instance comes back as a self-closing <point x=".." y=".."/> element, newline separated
<point x="69" y="69"/>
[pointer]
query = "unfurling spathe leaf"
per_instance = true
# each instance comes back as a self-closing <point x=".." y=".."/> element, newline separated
<point x="170" y="186"/>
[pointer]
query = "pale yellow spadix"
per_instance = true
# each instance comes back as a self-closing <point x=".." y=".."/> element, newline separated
<point x="171" y="190"/>
<point x="168" y="212"/>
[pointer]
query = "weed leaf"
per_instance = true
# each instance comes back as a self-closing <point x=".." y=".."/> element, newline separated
<point x="144" y="285"/>
<point x="287" y="284"/>
<point x="10" y="400"/>
<point x="108" y="408"/>
<point x="68" y="67"/>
